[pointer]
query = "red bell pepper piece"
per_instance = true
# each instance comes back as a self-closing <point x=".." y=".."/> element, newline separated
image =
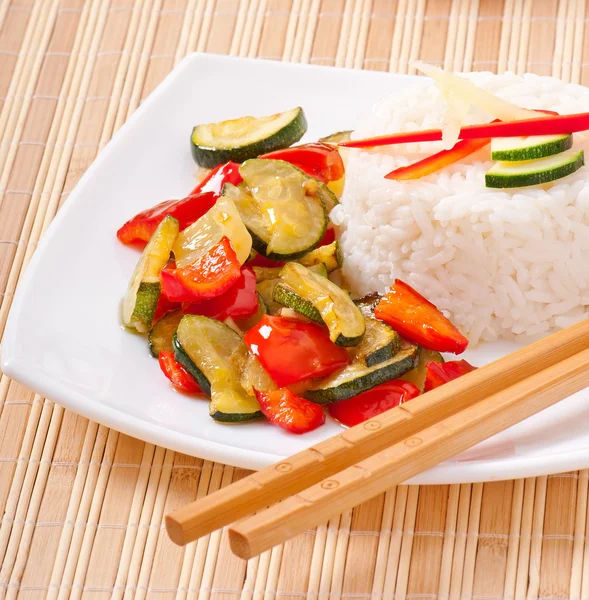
<point x="328" y="237"/>
<point x="290" y="412"/>
<point x="211" y="275"/>
<point x="438" y="161"/>
<point x="438" y="374"/>
<point x="259" y="260"/>
<point x="322" y="161"/>
<point x="177" y="374"/>
<point x="140" y="228"/>
<point x="292" y="350"/>
<point x="418" y="320"/>
<point x="164" y="306"/>
<point x="372" y="403"/>
<point x="238" y="302"/>
<point x="549" y="125"/>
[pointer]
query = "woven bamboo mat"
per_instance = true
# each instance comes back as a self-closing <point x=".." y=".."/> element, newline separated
<point x="83" y="505"/>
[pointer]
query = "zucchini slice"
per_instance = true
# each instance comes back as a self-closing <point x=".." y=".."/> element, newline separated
<point x="285" y="296"/>
<point x="162" y="333"/>
<point x="357" y="377"/>
<point x="417" y="375"/>
<point x="380" y="342"/>
<point x="254" y="376"/>
<point x="247" y="137"/>
<point x="140" y="301"/>
<point x="343" y="318"/>
<point x="337" y="137"/>
<point x="265" y="273"/>
<point x="331" y="256"/>
<point x="529" y="148"/>
<point x="534" y="172"/>
<point x="282" y="208"/>
<point x="221" y="220"/>
<point x="213" y="353"/>
<point x="247" y="323"/>
<point x="328" y="196"/>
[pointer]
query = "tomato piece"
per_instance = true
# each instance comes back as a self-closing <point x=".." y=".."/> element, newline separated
<point x="418" y="320"/>
<point x="238" y="302"/>
<point x="290" y="412"/>
<point x="140" y="228"/>
<point x="292" y="351"/>
<point x="211" y="275"/>
<point x="372" y="403"/>
<point x="322" y="161"/>
<point x="438" y="374"/>
<point x="177" y="374"/>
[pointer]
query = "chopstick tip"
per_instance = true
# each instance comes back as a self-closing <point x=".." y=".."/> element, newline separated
<point x="175" y="530"/>
<point x="240" y="545"/>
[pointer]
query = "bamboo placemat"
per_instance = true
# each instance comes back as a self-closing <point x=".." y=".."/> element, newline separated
<point x="83" y="505"/>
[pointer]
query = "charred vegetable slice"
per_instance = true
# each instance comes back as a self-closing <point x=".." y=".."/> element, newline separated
<point x="221" y="220"/>
<point x="357" y="377"/>
<point x="139" y="304"/>
<point x="342" y="317"/>
<point x="161" y="334"/>
<point x="211" y="351"/>
<point x="331" y="256"/>
<point x="417" y="375"/>
<point x="281" y="207"/>
<point x="247" y="137"/>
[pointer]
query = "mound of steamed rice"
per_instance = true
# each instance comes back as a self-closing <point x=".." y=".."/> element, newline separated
<point x="500" y="263"/>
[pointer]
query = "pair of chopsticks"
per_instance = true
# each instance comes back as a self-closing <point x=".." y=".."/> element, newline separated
<point x="347" y="469"/>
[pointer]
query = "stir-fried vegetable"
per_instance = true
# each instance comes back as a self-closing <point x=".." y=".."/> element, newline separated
<point x="438" y="373"/>
<point x="418" y="320"/>
<point x="372" y="403"/>
<point x="292" y="351"/>
<point x="234" y="323"/>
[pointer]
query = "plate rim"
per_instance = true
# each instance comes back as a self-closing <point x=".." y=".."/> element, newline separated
<point x="448" y="472"/>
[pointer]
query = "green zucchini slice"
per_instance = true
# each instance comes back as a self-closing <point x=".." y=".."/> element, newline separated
<point x="337" y="137"/>
<point x="331" y="256"/>
<point x="282" y="208"/>
<point x="285" y="296"/>
<point x="140" y="301"/>
<point x="417" y="375"/>
<point x="380" y="342"/>
<point x="343" y="318"/>
<point x="221" y="220"/>
<point x="357" y="377"/>
<point x="247" y="137"/>
<point x="265" y="273"/>
<point x="214" y="355"/>
<point x="534" y="172"/>
<point x="529" y="148"/>
<point x="162" y="333"/>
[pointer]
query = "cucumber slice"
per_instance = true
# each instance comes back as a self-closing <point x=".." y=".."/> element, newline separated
<point x="357" y="377"/>
<point x="380" y="342"/>
<point x="221" y="220"/>
<point x="247" y="137"/>
<point x="214" y="355"/>
<point x="343" y="318"/>
<point x="534" y="172"/>
<point x="140" y="301"/>
<point x="331" y="256"/>
<point x="417" y="375"/>
<point x="281" y="207"/>
<point x="337" y="137"/>
<point x="247" y="323"/>
<point x="161" y="334"/>
<point x="285" y="296"/>
<point x="529" y="148"/>
<point x="254" y="376"/>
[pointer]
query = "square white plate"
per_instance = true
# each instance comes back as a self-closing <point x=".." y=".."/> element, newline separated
<point x="63" y="337"/>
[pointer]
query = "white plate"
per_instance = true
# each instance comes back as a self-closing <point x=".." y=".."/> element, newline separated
<point x="63" y="338"/>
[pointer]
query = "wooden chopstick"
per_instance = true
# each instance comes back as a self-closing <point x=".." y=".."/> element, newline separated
<point x="409" y="457"/>
<point x="311" y="466"/>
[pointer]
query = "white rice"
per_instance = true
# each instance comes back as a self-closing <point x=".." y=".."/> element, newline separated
<point x="500" y="263"/>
